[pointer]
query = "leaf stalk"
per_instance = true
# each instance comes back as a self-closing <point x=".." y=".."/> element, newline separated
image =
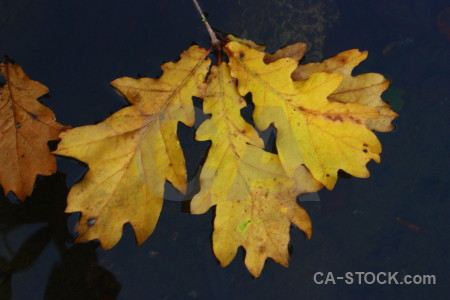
<point x="214" y="40"/>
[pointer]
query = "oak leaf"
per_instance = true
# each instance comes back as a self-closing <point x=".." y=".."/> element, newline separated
<point x="323" y="117"/>
<point x="364" y="89"/>
<point x="26" y="126"/>
<point x="255" y="199"/>
<point x="248" y="43"/>
<point x="295" y="51"/>
<point x="324" y="136"/>
<point x="133" y="152"/>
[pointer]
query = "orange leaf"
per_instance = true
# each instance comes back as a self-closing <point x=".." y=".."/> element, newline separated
<point x="25" y="128"/>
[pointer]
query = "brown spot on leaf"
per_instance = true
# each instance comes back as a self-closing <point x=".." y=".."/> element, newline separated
<point x="334" y="118"/>
<point x="355" y="120"/>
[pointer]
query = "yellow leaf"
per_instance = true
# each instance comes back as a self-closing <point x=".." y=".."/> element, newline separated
<point x="248" y="43"/>
<point x="364" y="89"/>
<point x="132" y="153"/>
<point x="324" y="136"/>
<point x="255" y="198"/>
<point x="26" y="126"/>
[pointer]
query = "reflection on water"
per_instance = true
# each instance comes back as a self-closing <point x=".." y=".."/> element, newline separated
<point x="37" y="228"/>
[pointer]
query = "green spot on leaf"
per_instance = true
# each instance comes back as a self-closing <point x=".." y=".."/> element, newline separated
<point x="244" y="225"/>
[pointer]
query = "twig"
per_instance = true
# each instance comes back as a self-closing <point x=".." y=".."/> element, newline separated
<point x="215" y="42"/>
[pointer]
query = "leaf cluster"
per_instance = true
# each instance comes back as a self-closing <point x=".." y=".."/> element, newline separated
<point x="324" y="118"/>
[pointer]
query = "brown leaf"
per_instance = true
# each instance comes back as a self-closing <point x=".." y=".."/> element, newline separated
<point x="25" y="128"/>
<point x="295" y="51"/>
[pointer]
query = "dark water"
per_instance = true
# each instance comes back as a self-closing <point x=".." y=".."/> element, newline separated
<point x="395" y="221"/>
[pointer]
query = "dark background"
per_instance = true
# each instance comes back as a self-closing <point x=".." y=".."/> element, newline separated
<point x="394" y="221"/>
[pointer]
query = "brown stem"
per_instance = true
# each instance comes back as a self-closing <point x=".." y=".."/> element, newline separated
<point x="214" y="41"/>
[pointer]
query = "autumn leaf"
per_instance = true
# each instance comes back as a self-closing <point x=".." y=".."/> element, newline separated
<point x="26" y="126"/>
<point x="248" y="43"/>
<point x="324" y="136"/>
<point x="295" y="51"/>
<point x="324" y="118"/>
<point x="255" y="198"/>
<point x="364" y="89"/>
<point x="132" y="153"/>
